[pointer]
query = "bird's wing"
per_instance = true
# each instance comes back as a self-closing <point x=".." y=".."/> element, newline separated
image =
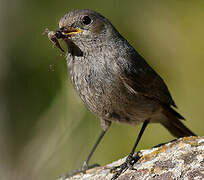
<point x="140" y="78"/>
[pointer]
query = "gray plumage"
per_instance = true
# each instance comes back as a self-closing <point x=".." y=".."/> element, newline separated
<point x="111" y="78"/>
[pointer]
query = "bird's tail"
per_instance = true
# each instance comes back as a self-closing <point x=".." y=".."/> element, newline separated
<point x="174" y="124"/>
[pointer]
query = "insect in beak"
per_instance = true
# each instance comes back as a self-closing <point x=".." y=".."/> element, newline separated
<point x="54" y="36"/>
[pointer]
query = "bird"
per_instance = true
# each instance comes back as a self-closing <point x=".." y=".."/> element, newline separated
<point x="113" y="80"/>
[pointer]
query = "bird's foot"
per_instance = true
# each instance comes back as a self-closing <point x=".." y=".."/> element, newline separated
<point x="128" y="164"/>
<point x="82" y="169"/>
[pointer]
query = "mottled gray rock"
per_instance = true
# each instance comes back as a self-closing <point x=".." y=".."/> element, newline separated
<point x="181" y="159"/>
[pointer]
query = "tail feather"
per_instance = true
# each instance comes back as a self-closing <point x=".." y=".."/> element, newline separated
<point x="174" y="125"/>
<point x="175" y="113"/>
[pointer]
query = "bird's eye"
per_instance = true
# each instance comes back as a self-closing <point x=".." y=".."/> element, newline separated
<point x="86" y="20"/>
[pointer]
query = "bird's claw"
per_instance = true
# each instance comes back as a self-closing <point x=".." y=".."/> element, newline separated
<point x="128" y="164"/>
<point x="82" y="169"/>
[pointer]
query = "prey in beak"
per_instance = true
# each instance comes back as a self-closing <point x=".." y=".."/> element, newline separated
<point x="53" y="37"/>
<point x="63" y="33"/>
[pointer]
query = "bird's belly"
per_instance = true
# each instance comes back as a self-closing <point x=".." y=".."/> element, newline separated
<point x="116" y="104"/>
<point x="109" y="99"/>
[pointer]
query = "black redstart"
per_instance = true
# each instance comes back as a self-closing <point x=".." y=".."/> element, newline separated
<point x="113" y="79"/>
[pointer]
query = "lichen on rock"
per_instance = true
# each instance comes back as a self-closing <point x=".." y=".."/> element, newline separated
<point x="182" y="159"/>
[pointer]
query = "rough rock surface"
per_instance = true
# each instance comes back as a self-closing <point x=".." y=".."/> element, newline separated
<point x="180" y="159"/>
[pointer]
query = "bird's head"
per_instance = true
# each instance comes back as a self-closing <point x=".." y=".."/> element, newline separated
<point x="85" y="27"/>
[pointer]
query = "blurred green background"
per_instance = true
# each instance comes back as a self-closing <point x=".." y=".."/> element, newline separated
<point x="45" y="130"/>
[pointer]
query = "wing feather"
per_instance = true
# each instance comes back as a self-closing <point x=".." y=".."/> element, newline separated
<point x="139" y="77"/>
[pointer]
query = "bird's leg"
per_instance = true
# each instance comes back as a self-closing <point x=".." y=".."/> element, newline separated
<point x="131" y="159"/>
<point x="85" y="166"/>
<point x="105" y="125"/>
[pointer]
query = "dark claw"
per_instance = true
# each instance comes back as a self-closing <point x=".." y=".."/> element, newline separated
<point x="83" y="169"/>
<point x="128" y="164"/>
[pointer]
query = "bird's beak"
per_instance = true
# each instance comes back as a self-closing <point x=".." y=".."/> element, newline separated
<point x="68" y="32"/>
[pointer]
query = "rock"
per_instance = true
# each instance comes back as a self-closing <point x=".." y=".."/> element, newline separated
<point x="179" y="159"/>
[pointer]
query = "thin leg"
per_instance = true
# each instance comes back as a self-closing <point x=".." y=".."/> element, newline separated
<point x="85" y="165"/>
<point x="130" y="160"/>
<point x="86" y="162"/>
<point x="105" y="126"/>
<point x="146" y="122"/>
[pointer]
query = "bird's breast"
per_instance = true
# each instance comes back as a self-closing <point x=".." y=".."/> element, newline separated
<point x="94" y="82"/>
<point x="103" y="92"/>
